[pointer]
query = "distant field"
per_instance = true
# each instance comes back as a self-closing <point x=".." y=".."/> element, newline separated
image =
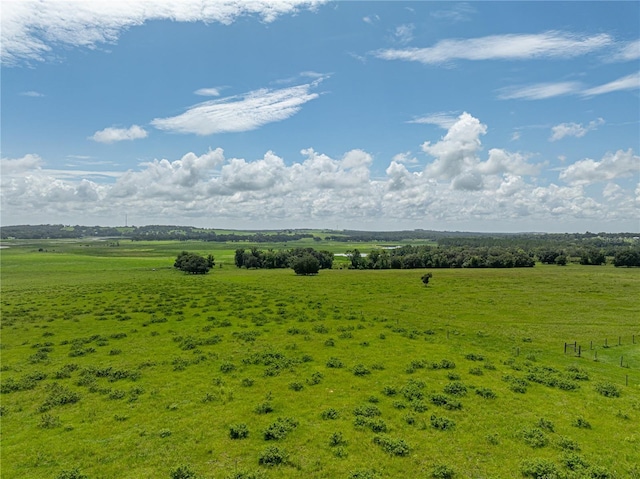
<point x="120" y="366"/>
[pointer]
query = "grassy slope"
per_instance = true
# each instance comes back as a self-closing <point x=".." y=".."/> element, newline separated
<point x="518" y="317"/>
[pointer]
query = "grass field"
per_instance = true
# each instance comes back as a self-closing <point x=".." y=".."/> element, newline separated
<point x="119" y="366"/>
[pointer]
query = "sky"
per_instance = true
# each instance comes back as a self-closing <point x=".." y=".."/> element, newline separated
<point x="457" y="116"/>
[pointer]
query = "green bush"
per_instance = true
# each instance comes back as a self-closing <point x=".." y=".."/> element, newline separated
<point x="539" y="469"/>
<point x="393" y="446"/>
<point x="273" y="456"/>
<point x="486" y="393"/>
<point x="581" y="423"/>
<point x="442" y="423"/>
<point x="263" y="408"/>
<point x="535" y="437"/>
<point x="279" y="429"/>
<point x="71" y="474"/>
<point x="442" y="471"/>
<point x="333" y="362"/>
<point x="239" y="431"/>
<point x="183" y="472"/>
<point x="367" y="410"/>
<point x="330" y="413"/>
<point x="456" y="388"/>
<point x="336" y="439"/>
<point x="360" y="370"/>
<point x="608" y="389"/>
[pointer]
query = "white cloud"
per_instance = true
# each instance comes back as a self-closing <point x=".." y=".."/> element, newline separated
<point x="31" y="29"/>
<point x="240" y="113"/>
<point x="111" y="135"/>
<point x="371" y="19"/>
<point x="613" y="165"/>
<point x="628" y="52"/>
<point x="32" y="94"/>
<point x="460" y="12"/>
<point x="208" y="92"/>
<point x="404" y="33"/>
<point x="629" y="82"/>
<point x="574" y="129"/>
<point x="28" y="162"/>
<point x="539" y="91"/>
<point x="553" y="44"/>
<point x="443" y="120"/>
<point x="516" y="135"/>
<point x="405" y="157"/>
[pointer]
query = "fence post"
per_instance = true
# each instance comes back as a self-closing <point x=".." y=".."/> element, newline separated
<point x="595" y="355"/>
<point x="565" y="348"/>
<point x="579" y="350"/>
<point x="605" y="342"/>
<point x="591" y="346"/>
<point x="619" y="339"/>
<point x="621" y="360"/>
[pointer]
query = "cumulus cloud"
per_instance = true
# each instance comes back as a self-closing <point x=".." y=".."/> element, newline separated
<point x="553" y="44"/>
<point x="613" y="165"/>
<point x="31" y="29"/>
<point x="629" y="82"/>
<point x="241" y="112"/>
<point x="573" y="129"/>
<point x="111" y="135"/>
<point x="28" y="162"/>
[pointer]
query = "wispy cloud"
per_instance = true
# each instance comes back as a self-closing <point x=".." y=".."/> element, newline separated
<point x="208" y="92"/>
<point x="112" y="135"/>
<point x="32" y="28"/>
<point x="32" y="93"/>
<point x="573" y="129"/>
<point x="444" y="120"/>
<point x="539" y="91"/>
<point x="627" y="52"/>
<point x="241" y="112"/>
<point x="404" y="33"/>
<point x="461" y="12"/>
<point x="553" y="44"/>
<point x="629" y="82"/>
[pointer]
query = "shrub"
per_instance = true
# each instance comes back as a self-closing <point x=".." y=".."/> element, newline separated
<point x="273" y="456"/>
<point x="486" y="393"/>
<point x="418" y="405"/>
<point x="453" y="377"/>
<point x="296" y="386"/>
<point x="377" y="425"/>
<point x="535" y="437"/>
<point x="476" y="371"/>
<point x="330" y="414"/>
<point x="539" y="469"/>
<point x="58" y="396"/>
<point x="574" y="462"/>
<point x="581" y="423"/>
<point x="336" y="439"/>
<point x="608" y="389"/>
<point x="47" y="421"/>
<point x="247" y="382"/>
<point x="456" y="388"/>
<point x="546" y="424"/>
<point x="442" y="423"/>
<point x="227" y="367"/>
<point x="316" y="378"/>
<point x="279" y="429"/>
<point x="334" y="362"/>
<point x="360" y="370"/>
<point x="367" y="410"/>
<point x="393" y="446"/>
<point x="577" y="373"/>
<point x="263" y="408"/>
<point x="239" y="431"/>
<point x="183" y="472"/>
<point x="246" y="475"/>
<point x="164" y="433"/>
<point x="567" y="444"/>
<point x="364" y="474"/>
<point x="599" y="472"/>
<point x="389" y="391"/>
<point x="474" y="357"/>
<point x="71" y="474"/>
<point x="442" y="471"/>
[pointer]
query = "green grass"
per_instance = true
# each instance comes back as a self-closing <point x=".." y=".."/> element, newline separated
<point x="192" y="356"/>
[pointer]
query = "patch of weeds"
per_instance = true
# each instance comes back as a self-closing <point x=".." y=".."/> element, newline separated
<point x="320" y="329"/>
<point x="316" y="378"/>
<point x="453" y="377"/>
<point x="296" y="386"/>
<point x="334" y="362"/>
<point x="364" y="474"/>
<point x="567" y="444"/>
<point x="47" y="421"/>
<point x="535" y="437"/>
<point x="115" y="352"/>
<point x="246" y="475"/>
<point x="476" y="371"/>
<point x="239" y="431"/>
<point x="474" y="357"/>
<point x="263" y="408"/>
<point x="485" y="393"/>
<point x="399" y="405"/>
<point x="489" y="366"/>
<point x="367" y="410"/>
<point x="413" y="390"/>
<point x="58" y="396"/>
<point x="340" y="452"/>
<point x="574" y="462"/>
<point x="539" y="469"/>
<point x="247" y="382"/>
<point x="65" y="371"/>
<point x="581" y="422"/>
<point x="577" y="373"/>
<point x="273" y="456"/>
<point x="608" y="389"/>
<point x="389" y="391"/>
<point x="410" y="419"/>
<point x="546" y="425"/>
<point x="164" y="433"/>
<point x="377" y="367"/>
<point x="456" y="388"/>
<point x="119" y="418"/>
<point x="517" y="385"/>
<point x="330" y="342"/>
<point x="183" y="472"/>
<point x="360" y="370"/>
<point x="442" y="423"/>
<point x="442" y="471"/>
<point x="492" y="439"/>
<point x="227" y="367"/>
<point x="71" y="474"/>
<point x="330" y="413"/>
<point x="117" y="394"/>
<point x="336" y="439"/>
<point x="393" y="446"/>
<point x="599" y="472"/>
<point x="418" y="405"/>
<point x="279" y="429"/>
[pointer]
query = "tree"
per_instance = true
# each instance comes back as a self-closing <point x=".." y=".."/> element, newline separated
<point x="426" y="277"/>
<point x="192" y="263"/>
<point x="305" y="265"/>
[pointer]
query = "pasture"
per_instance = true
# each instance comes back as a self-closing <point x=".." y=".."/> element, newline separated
<point x="116" y="365"/>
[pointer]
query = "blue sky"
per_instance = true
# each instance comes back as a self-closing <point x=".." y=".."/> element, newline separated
<point x="482" y="116"/>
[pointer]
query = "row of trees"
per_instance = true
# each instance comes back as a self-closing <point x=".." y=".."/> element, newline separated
<point x="193" y="263"/>
<point x="411" y="257"/>
<point x="286" y="258"/>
